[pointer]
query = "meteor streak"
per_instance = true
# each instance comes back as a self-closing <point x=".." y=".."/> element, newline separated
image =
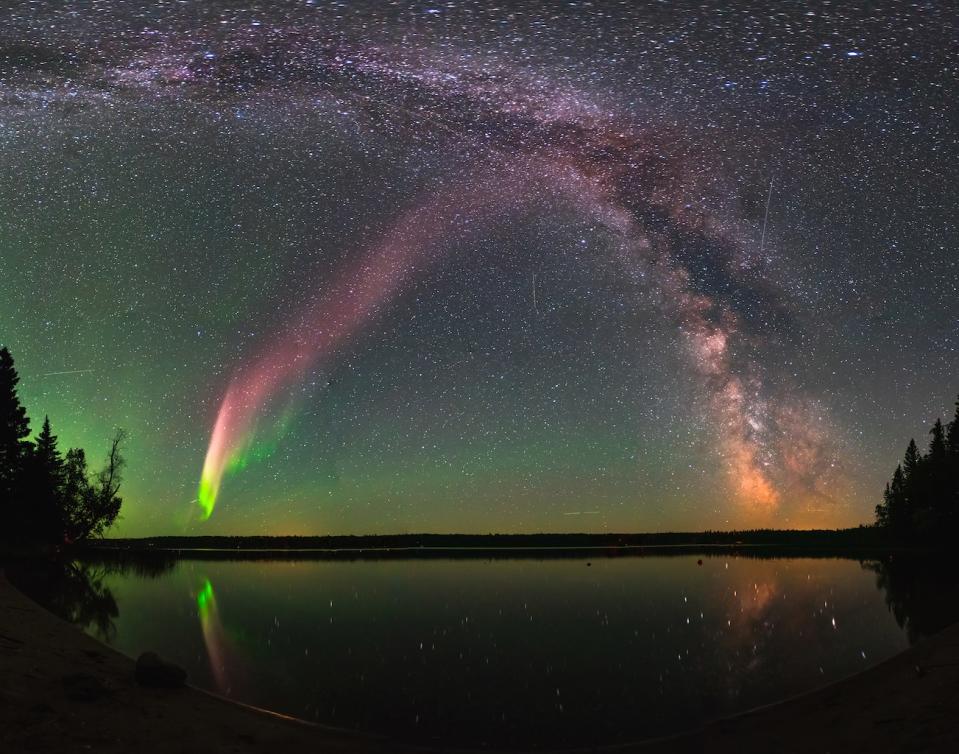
<point x="68" y="371"/>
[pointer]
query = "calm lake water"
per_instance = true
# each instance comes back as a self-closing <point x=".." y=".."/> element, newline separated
<point x="503" y="651"/>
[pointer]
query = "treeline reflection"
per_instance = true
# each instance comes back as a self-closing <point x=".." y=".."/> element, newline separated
<point x="919" y="588"/>
<point x="921" y="591"/>
<point x="76" y="590"/>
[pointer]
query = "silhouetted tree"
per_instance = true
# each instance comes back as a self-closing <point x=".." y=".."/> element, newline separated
<point x="77" y="488"/>
<point x="45" y="475"/>
<point x="911" y="462"/>
<point x="937" y="480"/>
<point x="913" y="486"/>
<point x="899" y="514"/>
<point x="882" y="509"/>
<point x="952" y="436"/>
<point x="952" y="466"/>
<point x="937" y="446"/>
<point x="90" y="506"/>
<point x="14" y="429"/>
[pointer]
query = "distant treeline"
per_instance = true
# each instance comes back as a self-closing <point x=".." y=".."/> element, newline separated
<point x="921" y="502"/>
<point x="858" y="537"/>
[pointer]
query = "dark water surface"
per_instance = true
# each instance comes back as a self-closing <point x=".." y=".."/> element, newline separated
<point x="505" y="651"/>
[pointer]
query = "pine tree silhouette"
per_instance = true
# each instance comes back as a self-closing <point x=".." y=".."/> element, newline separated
<point x="45" y="485"/>
<point x="911" y="461"/>
<point x="899" y="514"/>
<point x="912" y="485"/>
<point x="952" y="436"/>
<point x="883" y="508"/>
<point x="937" y="446"/>
<point x="952" y="471"/>
<point x="937" y="481"/>
<point x="14" y="429"/>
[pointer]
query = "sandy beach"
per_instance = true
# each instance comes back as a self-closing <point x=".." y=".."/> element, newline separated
<point x="62" y="691"/>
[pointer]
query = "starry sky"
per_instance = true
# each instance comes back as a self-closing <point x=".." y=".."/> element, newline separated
<point x="368" y="267"/>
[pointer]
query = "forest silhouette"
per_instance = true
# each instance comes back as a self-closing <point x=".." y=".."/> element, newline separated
<point x="47" y="497"/>
<point x="921" y="502"/>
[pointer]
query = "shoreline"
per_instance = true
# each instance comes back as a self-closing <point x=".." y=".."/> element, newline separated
<point x="909" y="702"/>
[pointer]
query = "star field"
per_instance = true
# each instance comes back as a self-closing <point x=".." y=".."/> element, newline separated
<point x="367" y="267"/>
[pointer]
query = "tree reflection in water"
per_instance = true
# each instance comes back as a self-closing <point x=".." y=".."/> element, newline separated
<point x="75" y="590"/>
<point x="921" y="591"/>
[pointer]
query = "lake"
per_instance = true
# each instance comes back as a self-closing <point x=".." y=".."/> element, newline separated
<point x="497" y="651"/>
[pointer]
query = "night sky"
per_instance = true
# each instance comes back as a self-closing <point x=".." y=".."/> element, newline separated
<point x="586" y="266"/>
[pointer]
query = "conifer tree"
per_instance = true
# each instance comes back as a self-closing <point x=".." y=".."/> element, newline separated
<point x="46" y="453"/>
<point x="899" y="513"/>
<point x="937" y="446"/>
<point x="952" y="436"/>
<point x="912" y="487"/>
<point x="14" y="429"/>
<point x="882" y="509"/>
<point x="911" y="461"/>
<point x="951" y="497"/>
<point x="952" y="462"/>
<point x="937" y="483"/>
<point x="45" y="487"/>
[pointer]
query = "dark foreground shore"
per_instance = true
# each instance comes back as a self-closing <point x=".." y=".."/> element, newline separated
<point x="47" y="667"/>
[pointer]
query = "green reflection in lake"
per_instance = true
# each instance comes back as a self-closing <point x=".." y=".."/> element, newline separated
<point x="511" y="651"/>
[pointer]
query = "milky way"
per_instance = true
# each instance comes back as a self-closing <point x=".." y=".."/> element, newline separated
<point x="742" y="224"/>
